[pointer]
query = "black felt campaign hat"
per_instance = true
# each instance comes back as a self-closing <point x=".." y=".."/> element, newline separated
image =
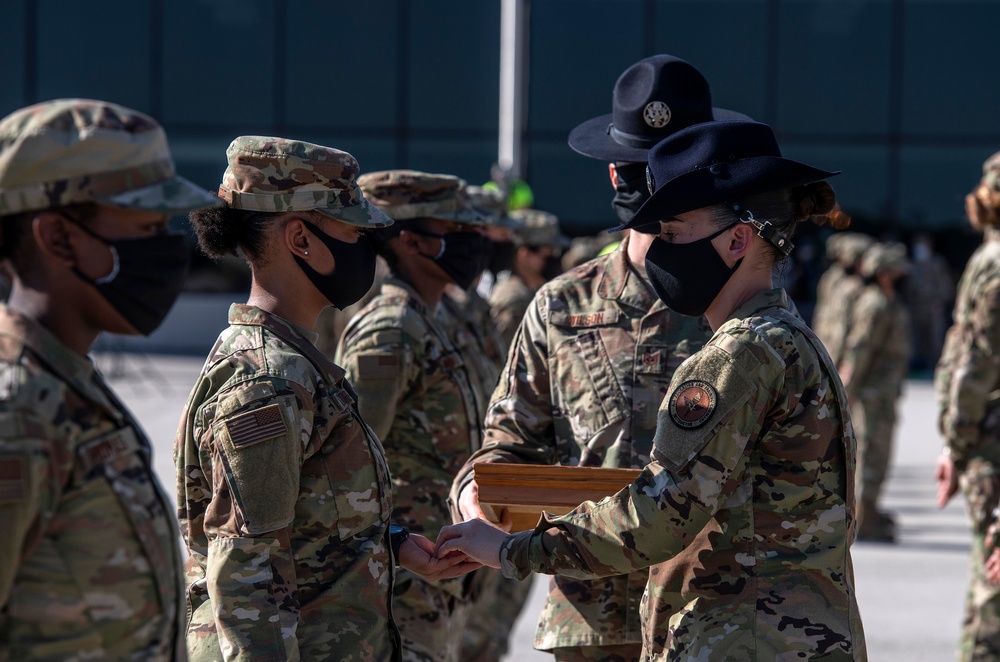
<point x="652" y="99"/>
<point x="716" y="162"/>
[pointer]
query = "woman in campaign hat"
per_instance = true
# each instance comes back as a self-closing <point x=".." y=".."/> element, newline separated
<point x="284" y="492"/>
<point x="754" y="451"/>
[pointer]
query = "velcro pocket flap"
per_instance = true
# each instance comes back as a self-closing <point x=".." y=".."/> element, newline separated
<point x="262" y="453"/>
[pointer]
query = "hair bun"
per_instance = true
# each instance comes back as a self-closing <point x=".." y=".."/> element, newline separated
<point x="813" y="199"/>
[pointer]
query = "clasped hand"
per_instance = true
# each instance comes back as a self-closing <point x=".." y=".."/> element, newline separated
<point x="460" y="548"/>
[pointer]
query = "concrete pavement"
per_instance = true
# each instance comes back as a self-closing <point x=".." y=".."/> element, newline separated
<point x="910" y="593"/>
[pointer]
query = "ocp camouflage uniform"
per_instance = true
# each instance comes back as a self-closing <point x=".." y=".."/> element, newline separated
<point x="417" y="389"/>
<point x="838" y="294"/>
<point x="589" y="366"/>
<point x="753" y="460"/>
<point x="284" y="499"/>
<point x="496" y="600"/>
<point x="876" y="355"/>
<point x="465" y="316"/>
<point x="90" y="567"/>
<point x="967" y="381"/>
<point x="509" y="300"/>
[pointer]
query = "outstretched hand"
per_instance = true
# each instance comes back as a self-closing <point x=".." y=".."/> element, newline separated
<point x="417" y="554"/>
<point x="476" y="539"/>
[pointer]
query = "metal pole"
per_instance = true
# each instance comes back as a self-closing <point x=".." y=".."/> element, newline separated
<point x="513" y="58"/>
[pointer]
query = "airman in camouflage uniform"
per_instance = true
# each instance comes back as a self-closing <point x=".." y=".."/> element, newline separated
<point x="873" y="366"/>
<point x="284" y="493"/>
<point x="538" y="259"/>
<point x="967" y="380"/>
<point x="838" y="290"/>
<point x="90" y="567"/>
<point x="414" y="384"/>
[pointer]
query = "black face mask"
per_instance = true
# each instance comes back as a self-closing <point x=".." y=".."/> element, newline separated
<point x="688" y="277"/>
<point x="459" y="256"/>
<point x="353" y="271"/>
<point x="502" y="256"/>
<point x="146" y="279"/>
<point x="630" y="191"/>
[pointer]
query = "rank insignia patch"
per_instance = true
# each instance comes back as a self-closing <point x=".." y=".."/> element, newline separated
<point x="692" y="404"/>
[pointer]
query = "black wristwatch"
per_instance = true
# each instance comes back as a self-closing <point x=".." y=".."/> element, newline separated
<point x="397" y="536"/>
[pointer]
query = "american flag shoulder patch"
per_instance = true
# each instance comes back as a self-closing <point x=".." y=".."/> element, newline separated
<point x="257" y="425"/>
<point x="13" y="481"/>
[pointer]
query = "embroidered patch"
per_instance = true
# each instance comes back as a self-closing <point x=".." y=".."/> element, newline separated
<point x="13" y="482"/>
<point x="257" y="425"/>
<point x="692" y="404"/>
<point x="587" y="319"/>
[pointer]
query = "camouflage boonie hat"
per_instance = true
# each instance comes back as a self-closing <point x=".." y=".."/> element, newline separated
<point x="71" y="151"/>
<point x="540" y="229"/>
<point x="883" y="257"/>
<point x="409" y="194"/>
<point x="279" y="175"/>
<point x="491" y="204"/>
<point x="991" y="173"/>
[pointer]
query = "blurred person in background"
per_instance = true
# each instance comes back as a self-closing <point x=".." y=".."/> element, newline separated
<point x="929" y="290"/>
<point x="414" y="385"/>
<point x="873" y="367"/>
<point x="90" y="567"/>
<point x="966" y="380"/>
<point x="537" y="260"/>
<point x="838" y="289"/>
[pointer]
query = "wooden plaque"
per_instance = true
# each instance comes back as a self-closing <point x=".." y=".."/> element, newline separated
<point x="525" y="490"/>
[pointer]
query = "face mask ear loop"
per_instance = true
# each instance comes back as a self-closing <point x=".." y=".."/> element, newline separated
<point x="116" y="262"/>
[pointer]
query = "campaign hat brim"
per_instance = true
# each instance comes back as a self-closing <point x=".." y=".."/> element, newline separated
<point x="593" y="138"/>
<point x="724" y="183"/>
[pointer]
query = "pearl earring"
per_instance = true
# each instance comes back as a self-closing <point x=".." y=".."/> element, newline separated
<point x="305" y="252"/>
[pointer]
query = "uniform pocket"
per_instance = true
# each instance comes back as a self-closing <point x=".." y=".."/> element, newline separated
<point x="589" y="395"/>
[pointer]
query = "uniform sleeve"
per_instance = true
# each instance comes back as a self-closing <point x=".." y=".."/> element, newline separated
<point x="701" y="451"/>
<point x="974" y="372"/>
<point x="379" y="365"/>
<point x="33" y="466"/>
<point x="258" y="435"/>
<point x="519" y="418"/>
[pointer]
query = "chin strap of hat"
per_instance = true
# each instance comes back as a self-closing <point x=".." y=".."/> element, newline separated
<point x="765" y="230"/>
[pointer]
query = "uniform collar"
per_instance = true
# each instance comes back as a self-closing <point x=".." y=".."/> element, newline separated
<point x="76" y="370"/>
<point x="393" y="284"/>
<point x="296" y="335"/>
<point x="621" y="282"/>
<point x="773" y="298"/>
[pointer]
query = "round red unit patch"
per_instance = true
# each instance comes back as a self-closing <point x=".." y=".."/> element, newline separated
<point x="692" y="403"/>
